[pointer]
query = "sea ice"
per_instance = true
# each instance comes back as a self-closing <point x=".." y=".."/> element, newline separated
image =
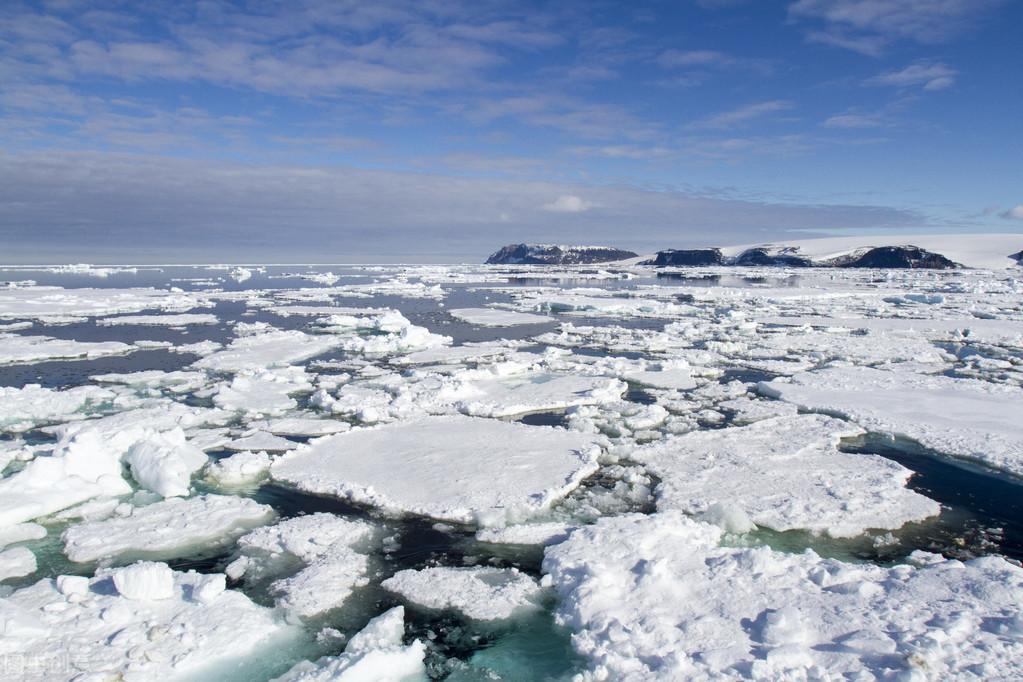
<point x="140" y="622"/>
<point x="785" y="473"/>
<point x="492" y="317"/>
<point x="332" y="549"/>
<point x="182" y="320"/>
<point x="478" y="593"/>
<point x="454" y="468"/>
<point x="56" y="305"/>
<point x="239" y="469"/>
<point x="167" y="529"/>
<point x="274" y="348"/>
<point x="18" y="349"/>
<point x="374" y="654"/>
<point x="16" y="562"/>
<point x="164" y="462"/>
<point x="32" y="405"/>
<point x="656" y="597"/>
<point x="965" y="418"/>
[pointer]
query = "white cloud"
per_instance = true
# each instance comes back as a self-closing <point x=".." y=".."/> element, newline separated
<point x="736" y="117"/>
<point x="568" y="203"/>
<point x="1014" y="213"/>
<point x="929" y="75"/>
<point x="868" y="26"/>
<point x="108" y="207"/>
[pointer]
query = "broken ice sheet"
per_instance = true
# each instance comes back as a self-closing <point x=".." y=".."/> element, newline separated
<point x="461" y="469"/>
<point x="783" y="473"/>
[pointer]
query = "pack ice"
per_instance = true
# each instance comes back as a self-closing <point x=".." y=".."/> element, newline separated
<point x="657" y="597"/>
<point x="454" y="468"/>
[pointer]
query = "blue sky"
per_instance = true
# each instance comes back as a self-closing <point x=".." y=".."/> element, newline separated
<point x="433" y="131"/>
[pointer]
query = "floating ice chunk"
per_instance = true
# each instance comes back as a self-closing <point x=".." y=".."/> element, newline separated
<point x="80" y="628"/>
<point x="785" y="473"/>
<point x="401" y="336"/>
<point x="164" y="462"/>
<point x="17" y="349"/>
<point x="965" y="418"/>
<point x="273" y="348"/>
<point x="84" y="468"/>
<point x="264" y="392"/>
<point x="375" y="653"/>
<point x="166" y="529"/>
<point x="332" y="549"/>
<point x="21" y="533"/>
<point x="452" y="468"/>
<point x="183" y="320"/>
<point x="144" y="580"/>
<point x="239" y="469"/>
<point x="746" y="411"/>
<point x="450" y="355"/>
<point x="240" y="274"/>
<point x="261" y="440"/>
<point x="32" y="405"/>
<point x="656" y="597"/>
<point x="304" y="426"/>
<point x="177" y="382"/>
<point x="533" y="392"/>
<point x="990" y="331"/>
<point x="526" y="533"/>
<point x="676" y="378"/>
<point x="478" y="593"/>
<point x="56" y="305"/>
<point x="491" y="317"/>
<point x="16" y="562"/>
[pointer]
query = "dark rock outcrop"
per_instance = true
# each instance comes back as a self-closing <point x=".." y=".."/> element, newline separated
<point x="694" y="257"/>
<point x="762" y="256"/>
<point x="552" y="254"/>
<point x="899" y="257"/>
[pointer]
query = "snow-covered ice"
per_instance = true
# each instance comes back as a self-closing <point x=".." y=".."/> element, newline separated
<point x="964" y="418"/>
<point x="376" y="653"/>
<point x="493" y="317"/>
<point x="479" y="593"/>
<point x="139" y="622"/>
<point x="784" y="473"/>
<point x="657" y="597"/>
<point x="461" y="469"/>
<point x="19" y="349"/>
<point x="168" y="529"/>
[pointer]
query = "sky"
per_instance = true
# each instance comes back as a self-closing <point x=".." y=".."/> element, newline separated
<point x="425" y="131"/>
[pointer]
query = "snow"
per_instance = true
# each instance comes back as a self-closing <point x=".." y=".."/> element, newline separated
<point x="16" y="562"/>
<point x="544" y="533"/>
<point x="32" y="405"/>
<point x="784" y="473"/>
<point x="453" y="354"/>
<point x="57" y="305"/>
<point x="18" y="349"/>
<point x="183" y="320"/>
<point x="988" y="251"/>
<point x="656" y="597"/>
<point x="453" y="468"/>
<point x="332" y="549"/>
<point x="305" y="426"/>
<point x="268" y="349"/>
<point x="261" y="440"/>
<point x="965" y="418"/>
<point x="675" y="378"/>
<point x="172" y="528"/>
<point x="239" y="469"/>
<point x="533" y="392"/>
<point x="478" y="593"/>
<point x="164" y="462"/>
<point x="140" y="622"/>
<point x="374" y="654"/>
<point x="490" y="317"/>
<point x="263" y="392"/>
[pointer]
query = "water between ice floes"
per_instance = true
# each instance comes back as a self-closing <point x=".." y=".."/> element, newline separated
<point x="982" y="513"/>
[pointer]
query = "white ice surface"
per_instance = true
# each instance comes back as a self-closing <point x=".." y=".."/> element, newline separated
<point x="784" y="473"/>
<point x="273" y="348"/>
<point x="332" y="549"/>
<point x="453" y="468"/>
<point x="19" y="349"/>
<point x="55" y="305"/>
<point x="492" y="317"/>
<point x="478" y="593"/>
<point x="78" y="628"/>
<point x="167" y="529"/>
<point x="164" y="462"/>
<point x="239" y="469"/>
<point x="374" y="654"/>
<point x="16" y="562"/>
<point x="182" y="320"/>
<point x="32" y="405"/>
<point x="656" y="598"/>
<point x="965" y="418"/>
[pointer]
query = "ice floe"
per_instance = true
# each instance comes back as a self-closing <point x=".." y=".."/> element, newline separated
<point x="461" y="469"/>
<point x="784" y="473"/>
<point x="167" y="529"/>
<point x="18" y="349"/>
<point x="492" y="317"/>
<point x="183" y="320"/>
<point x="965" y="418"/>
<point x="479" y="593"/>
<point x="137" y="622"/>
<point x="657" y="597"/>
